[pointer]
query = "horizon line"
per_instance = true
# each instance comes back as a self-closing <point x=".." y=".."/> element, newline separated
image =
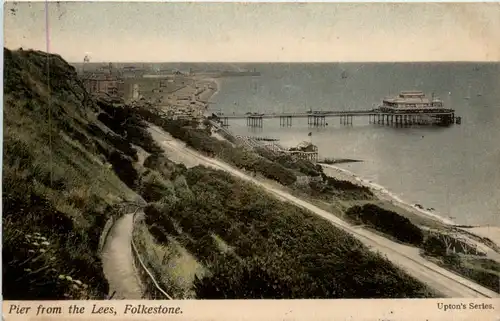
<point x="289" y="62"/>
<point x="260" y="62"/>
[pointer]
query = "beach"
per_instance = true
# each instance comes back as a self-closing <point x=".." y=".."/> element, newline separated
<point x="381" y="192"/>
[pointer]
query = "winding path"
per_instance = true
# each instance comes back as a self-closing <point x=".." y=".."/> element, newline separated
<point x="118" y="261"/>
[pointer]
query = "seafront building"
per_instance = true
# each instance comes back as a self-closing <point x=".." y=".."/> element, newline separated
<point x="412" y="102"/>
<point x="413" y="107"/>
<point x="106" y="84"/>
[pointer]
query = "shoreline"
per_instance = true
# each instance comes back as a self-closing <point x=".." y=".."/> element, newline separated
<point x="379" y="191"/>
<point x="210" y="93"/>
<point x="384" y="194"/>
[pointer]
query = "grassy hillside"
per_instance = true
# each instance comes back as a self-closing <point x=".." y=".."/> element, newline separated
<point x="247" y="244"/>
<point x="60" y="182"/>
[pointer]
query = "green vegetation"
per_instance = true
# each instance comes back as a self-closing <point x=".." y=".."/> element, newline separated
<point x="205" y="234"/>
<point x="271" y="249"/>
<point x="387" y="222"/>
<point x="201" y="140"/>
<point x="481" y="270"/>
<point x="281" y="168"/>
<point x="61" y="181"/>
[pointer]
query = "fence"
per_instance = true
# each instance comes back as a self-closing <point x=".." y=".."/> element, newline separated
<point x="152" y="290"/>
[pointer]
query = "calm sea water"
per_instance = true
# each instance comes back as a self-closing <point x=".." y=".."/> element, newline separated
<point x="455" y="170"/>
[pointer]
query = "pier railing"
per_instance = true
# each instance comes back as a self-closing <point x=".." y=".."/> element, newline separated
<point x="379" y="116"/>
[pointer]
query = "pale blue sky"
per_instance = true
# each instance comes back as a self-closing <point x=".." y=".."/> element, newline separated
<point x="145" y="31"/>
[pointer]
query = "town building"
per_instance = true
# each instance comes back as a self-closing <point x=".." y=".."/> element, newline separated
<point x="99" y="83"/>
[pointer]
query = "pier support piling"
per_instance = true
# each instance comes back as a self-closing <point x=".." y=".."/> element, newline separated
<point x="346" y="119"/>
<point x="255" y="121"/>
<point x="316" y="121"/>
<point x="286" y="121"/>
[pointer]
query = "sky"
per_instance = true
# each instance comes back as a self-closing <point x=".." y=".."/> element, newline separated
<point x="256" y="32"/>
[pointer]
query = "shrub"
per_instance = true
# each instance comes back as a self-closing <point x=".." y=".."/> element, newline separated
<point x="124" y="168"/>
<point x="434" y="246"/>
<point x="276" y="249"/>
<point x="153" y="187"/>
<point x="387" y="222"/>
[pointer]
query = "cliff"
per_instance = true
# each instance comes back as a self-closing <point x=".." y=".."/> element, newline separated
<point x="61" y="179"/>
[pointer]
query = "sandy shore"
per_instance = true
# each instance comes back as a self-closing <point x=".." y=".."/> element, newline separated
<point x="490" y="232"/>
<point x="381" y="192"/>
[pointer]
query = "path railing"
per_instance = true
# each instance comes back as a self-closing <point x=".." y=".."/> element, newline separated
<point x="152" y="289"/>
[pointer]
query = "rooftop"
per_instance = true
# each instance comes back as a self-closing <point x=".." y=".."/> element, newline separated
<point x="412" y="97"/>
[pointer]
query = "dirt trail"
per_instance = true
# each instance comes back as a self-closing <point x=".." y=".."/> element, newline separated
<point x="407" y="257"/>
<point x="118" y="262"/>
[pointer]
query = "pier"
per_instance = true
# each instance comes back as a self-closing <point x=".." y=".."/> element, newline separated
<point x="373" y="116"/>
<point x="252" y="121"/>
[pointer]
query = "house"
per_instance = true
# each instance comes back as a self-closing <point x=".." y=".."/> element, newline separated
<point x="101" y="83"/>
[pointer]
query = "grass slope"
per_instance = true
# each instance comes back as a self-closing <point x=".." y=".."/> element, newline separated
<point x="254" y="246"/>
<point x="59" y="180"/>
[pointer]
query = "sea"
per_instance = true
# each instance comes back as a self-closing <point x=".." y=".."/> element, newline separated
<point x="455" y="170"/>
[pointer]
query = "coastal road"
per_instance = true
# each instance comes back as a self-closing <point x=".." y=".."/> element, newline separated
<point x="118" y="262"/>
<point x="408" y="258"/>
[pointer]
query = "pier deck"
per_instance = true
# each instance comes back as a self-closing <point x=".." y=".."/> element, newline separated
<point x="337" y="113"/>
<point x="318" y="118"/>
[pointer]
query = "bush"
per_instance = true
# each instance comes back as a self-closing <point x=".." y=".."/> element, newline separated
<point x="387" y="222"/>
<point x="124" y="168"/>
<point x="200" y="140"/>
<point x="43" y="244"/>
<point x="276" y="249"/>
<point x="153" y="187"/>
<point x="485" y="277"/>
<point x="126" y="122"/>
<point x="434" y="246"/>
<point x="233" y="279"/>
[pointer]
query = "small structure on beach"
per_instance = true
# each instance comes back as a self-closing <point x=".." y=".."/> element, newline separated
<point x="305" y="151"/>
<point x="305" y="147"/>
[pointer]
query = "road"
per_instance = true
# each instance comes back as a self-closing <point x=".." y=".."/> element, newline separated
<point x="406" y="257"/>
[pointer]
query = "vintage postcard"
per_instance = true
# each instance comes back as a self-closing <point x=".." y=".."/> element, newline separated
<point x="205" y="161"/>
